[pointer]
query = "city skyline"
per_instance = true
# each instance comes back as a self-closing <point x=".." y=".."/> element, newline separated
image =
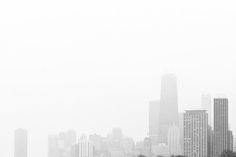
<point x="195" y="137"/>
<point x="94" y="65"/>
<point x="193" y="127"/>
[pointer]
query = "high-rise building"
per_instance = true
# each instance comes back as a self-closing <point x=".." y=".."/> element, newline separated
<point x="222" y="141"/>
<point x="21" y="143"/>
<point x="168" y="106"/>
<point x="154" y="109"/>
<point x="174" y="140"/>
<point x="207" y="105"/>
<point x="195" y="133"/>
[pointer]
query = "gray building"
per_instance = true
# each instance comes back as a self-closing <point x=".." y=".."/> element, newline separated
<point x="168" y="106"/>
<point x="21" y="143"/>
<point x="195" y="133"/>
<point x="207" y="105"/>
<point x="222" y="135"/>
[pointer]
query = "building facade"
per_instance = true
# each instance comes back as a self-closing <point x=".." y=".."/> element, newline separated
<point x="195" y="133"/>
<point x="222" y="136"/>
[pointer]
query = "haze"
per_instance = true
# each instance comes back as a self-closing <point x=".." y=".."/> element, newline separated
<point x="94" y="65"/>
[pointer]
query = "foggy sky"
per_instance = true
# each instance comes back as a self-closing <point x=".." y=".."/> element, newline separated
<point x="95" y="64"/>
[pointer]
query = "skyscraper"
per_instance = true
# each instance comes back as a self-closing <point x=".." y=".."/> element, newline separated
<point x="21" y="143"/>
<point x="154" y="109"/>
<point x="222" y="141"/>
<point x="168" y="106"/>
<point x="195" y="133"/>
<point x="207" y="105"/>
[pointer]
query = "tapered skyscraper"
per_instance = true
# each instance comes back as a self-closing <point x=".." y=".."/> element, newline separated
<point x="168" y="106"/>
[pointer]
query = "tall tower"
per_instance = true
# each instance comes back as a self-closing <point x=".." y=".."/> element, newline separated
<point x="206" y="105"/>
<point x="168" y="106"/>
<point x="222" y="141"/>
<point x="154" y="109"/>
<point x="195" y="133"/>
<point x="21" y="143"/>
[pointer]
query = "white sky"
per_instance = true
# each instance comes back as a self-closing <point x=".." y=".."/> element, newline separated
<point x="91" y="65"/>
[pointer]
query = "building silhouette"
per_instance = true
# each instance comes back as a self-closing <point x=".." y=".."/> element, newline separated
<point x="222" y="135"/>
<point x="168" y="106"/>
<point x="195" y="133"/>
<point x="21" y="143"/>
<point x="207" y="105"/>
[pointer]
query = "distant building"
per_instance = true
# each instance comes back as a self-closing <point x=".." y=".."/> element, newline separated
<point x="222" y="135"/>
<point x="99" y="144"/>
<point x="60" y="145"/>
<point x="174" y="140"/>
<point x="21" y="143"/>
<point x="168" y="106"/>
<point x="154" y="109"/>
<point x="85" y="147"/>
<point x="195" y="133"/>
<point x="114" y="145"/>
<point x="207" y="105"/>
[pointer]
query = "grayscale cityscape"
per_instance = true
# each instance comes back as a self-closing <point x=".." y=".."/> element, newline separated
<point x="200" y="132"/>
<point x="117" y="78"/>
